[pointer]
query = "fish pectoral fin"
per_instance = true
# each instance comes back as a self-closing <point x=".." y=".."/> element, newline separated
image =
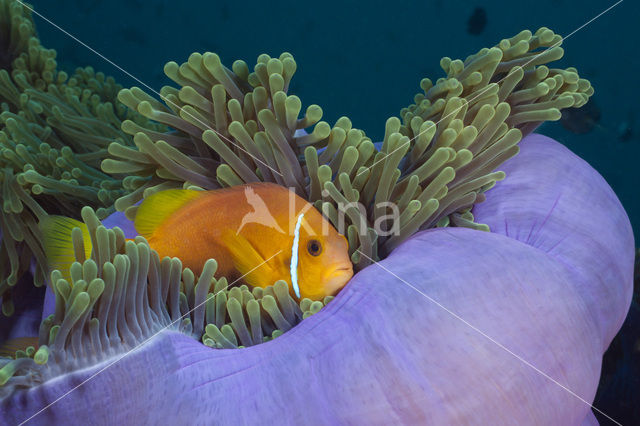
<point x="255" y="270"/>
<point x="58" y="243"/>
<point x="156" y="208"/>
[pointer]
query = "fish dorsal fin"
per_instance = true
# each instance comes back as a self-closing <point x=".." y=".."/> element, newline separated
<point x="58" y="244"/>
<point x="158" y="207"/>
<point x="254" y="269"/>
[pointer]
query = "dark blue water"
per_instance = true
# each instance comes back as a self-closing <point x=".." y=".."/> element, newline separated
<point x="365" y="60"/>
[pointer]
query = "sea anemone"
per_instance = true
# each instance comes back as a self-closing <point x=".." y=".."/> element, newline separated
<point x="414" y="337"/>
<point x="236" y="126"/>
<point x="528" y="308"/>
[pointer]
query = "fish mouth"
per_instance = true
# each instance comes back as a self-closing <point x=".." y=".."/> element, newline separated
<point x="337" y="279"/>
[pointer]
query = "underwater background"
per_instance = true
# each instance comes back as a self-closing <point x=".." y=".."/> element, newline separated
<point x="365" y="60"/>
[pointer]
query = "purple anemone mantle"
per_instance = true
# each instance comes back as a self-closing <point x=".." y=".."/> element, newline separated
<point x="456" y="326"/>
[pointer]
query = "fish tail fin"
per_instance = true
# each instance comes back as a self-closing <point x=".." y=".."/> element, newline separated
<point x="58" y="242"/>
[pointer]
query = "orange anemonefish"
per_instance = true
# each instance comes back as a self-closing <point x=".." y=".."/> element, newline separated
<point x="258" y="233"/>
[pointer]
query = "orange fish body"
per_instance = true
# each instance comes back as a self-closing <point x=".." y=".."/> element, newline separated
<point x="250" y="230"/>
<point x="200" y="230"/>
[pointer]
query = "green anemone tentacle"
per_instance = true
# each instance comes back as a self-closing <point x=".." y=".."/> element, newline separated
<point x="235" y="126"/>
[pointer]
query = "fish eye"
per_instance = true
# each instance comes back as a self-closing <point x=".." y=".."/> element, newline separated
<point x="314" y="247"/>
